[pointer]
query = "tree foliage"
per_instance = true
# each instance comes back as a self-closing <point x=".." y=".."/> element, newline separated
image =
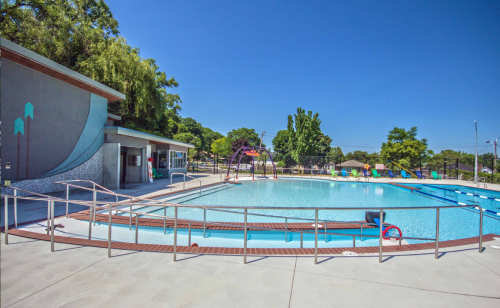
<point x="245" y="133"/>
<point x="83" y="36"/>
<point x="282" y="148"/>
<point x="403" y="147"/>
<point x="221" y="146"/>
<point x="305" y="136"/>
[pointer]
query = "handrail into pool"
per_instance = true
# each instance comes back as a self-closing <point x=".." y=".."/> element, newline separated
<point x="185" y="175"/>
<point x="107" y="192"/>
<point x="95" y="204"/>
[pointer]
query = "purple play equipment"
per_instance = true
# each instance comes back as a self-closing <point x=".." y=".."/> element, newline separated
<point x="243" y="149"/>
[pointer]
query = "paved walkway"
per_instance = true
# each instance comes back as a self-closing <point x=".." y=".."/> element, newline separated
<point x="82" y="276"/>
<point x="79" y="276"/>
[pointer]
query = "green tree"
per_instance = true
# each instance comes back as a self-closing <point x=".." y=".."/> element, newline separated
<point x="83" y="36"/>
<point x="360" y="156"/>
<point x="189" y="138"/>
<point x="335" y="155"/>
<point x="209" y="136"/>
<point x="221" y="146"/>
<point x="403" y="147"/>
<point x="245" y="133"/>
<point x="192" y="126"/>
<point x="282" y="148"/>
<point x="305" y="136"/>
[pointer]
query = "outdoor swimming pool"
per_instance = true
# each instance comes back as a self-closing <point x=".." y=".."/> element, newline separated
<point x="454" y="223"/>
<point x="487" y="199"/>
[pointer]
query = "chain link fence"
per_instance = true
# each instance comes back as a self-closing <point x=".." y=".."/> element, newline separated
<point x="447" y="168"/>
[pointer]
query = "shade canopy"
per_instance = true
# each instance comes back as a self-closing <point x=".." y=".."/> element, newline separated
<point x="252" y="153"/>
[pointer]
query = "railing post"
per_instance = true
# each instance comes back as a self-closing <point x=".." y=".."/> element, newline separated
<point x="354" y="241"/>
<point x="361" y="238"/>
<point x="52" y="226"/>
<point x="481" y="230"/>
<point x="136" y="228"/>
<point x="301" y="240"/>
<point x="67" y="202"/>
<point x="184" y="186"/>
<point x="286" y="230"/>
<point x="316" y="238"/>
<point x="436" y="256"/>
<point x="164" y="220"/>
<point x="90" y="222"/>
<point x="109" y="230"/>
<point x="130" y="219"/>
<point x="48" y="217"/>
<point x="325" y="230"/>
<point x="15" y="208"/>
<point x="95" y="199"/>
<point x="189" y="236"/>
<point x="175" y="234"/>
<point x="204" y="221"/>
<point x="381" y="219"/>
<point x="171" y="184"/>
<point x="6" y="220"/>
<point x="245" y="239"/>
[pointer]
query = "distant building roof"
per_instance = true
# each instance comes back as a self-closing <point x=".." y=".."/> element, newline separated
<point x="351" y="163"/>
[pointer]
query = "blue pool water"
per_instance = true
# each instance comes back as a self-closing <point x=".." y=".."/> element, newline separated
<point x="487" y="199"/>
<point x="454" y="223"/>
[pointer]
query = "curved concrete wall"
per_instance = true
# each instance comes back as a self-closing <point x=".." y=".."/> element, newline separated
<point x="49" y="126"/>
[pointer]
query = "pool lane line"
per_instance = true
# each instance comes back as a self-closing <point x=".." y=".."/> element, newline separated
<point x="465" y="193"/>
<point x="459" y="203"/>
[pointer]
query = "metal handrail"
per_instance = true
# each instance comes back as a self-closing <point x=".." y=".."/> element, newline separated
<point x="184" y="188"/>
<point x="109" y="192"/>
<point x="94" y="204"/>
<point x="477" y="181"/>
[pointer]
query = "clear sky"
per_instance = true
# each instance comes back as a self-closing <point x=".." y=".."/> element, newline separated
<point x="365" y="66"/>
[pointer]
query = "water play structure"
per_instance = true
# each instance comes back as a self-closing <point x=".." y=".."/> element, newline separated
<point x="251" y="151"/>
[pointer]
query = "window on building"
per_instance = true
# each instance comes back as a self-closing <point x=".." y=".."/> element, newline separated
<point x="178" y="159"/>
<point x="162" y="160"/>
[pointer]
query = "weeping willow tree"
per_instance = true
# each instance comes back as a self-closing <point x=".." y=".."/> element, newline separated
<point x="83" y="35"/>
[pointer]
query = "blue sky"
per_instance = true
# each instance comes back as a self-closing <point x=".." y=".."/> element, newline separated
<point x="365" y="66"/>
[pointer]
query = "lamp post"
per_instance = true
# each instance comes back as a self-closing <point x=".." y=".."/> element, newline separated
<point x="495" y="146"/>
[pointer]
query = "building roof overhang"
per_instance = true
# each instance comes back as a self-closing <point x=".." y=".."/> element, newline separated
<point x="114" y="117"/>
<point x="28" y="58"/>
<point x="117" y="130"/>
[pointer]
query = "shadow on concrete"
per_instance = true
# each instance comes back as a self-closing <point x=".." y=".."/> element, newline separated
<point x="192" y="257"/>
<point x="259" y="259"/>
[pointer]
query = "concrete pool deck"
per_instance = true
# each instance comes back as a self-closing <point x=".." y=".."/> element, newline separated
<point x="80" y="276"/>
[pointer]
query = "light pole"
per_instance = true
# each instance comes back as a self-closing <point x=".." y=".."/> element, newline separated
<point x="495" y="146"/>
<point x="476" y="180"/>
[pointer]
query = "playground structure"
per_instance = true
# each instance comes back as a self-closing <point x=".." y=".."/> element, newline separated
<point x="250" y="151"/>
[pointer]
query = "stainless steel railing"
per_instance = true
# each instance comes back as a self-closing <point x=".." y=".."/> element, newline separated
<point x="185" y="175"/>
<point x="109" y="205"/>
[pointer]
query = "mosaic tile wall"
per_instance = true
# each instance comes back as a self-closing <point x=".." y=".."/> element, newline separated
<point x="91" y="170"/>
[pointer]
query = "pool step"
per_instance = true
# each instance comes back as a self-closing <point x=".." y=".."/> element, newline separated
<point x="197" y="195"/>
<point x="176" y="198"/>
